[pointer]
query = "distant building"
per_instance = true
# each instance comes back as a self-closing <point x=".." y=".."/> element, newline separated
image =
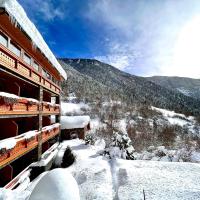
<point x="74" y="127"/>
<point x="30" y="80"/>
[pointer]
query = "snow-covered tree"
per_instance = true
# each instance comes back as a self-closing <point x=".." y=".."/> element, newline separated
<point x="121" y="146"/>
<point x="90" y="139"/>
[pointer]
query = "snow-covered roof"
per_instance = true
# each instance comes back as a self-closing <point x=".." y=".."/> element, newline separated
<point x="71" y="122"/>
<point x="16" y="11"/>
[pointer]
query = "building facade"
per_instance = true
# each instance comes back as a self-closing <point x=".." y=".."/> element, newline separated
<point x="30" y="88"/>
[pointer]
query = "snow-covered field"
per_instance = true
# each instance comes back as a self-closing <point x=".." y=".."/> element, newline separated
<point x="99" y="178"/>
<point x="104" y="179"/>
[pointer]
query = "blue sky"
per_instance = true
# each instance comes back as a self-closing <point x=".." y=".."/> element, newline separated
<point x="142" y="37"/>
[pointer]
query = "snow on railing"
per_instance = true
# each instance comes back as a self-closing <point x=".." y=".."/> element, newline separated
<point x="10" y="99"/>
<point x="30" y="134"/>
<point x="51" y="127"/>
<point x="5" y="95"/>
<point x="8" y="144"/>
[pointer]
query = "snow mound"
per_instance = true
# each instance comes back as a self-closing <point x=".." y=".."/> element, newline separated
<point x="57" y="184"/>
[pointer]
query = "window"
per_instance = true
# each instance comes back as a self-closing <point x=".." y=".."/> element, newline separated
<point x="36" y="66"/>
<point x="43" y="73"/>
<point x="27" y="59"/>
<point x="16" y="50"/>
<point x="48" y="75"/>
<point x="3" y="40"/>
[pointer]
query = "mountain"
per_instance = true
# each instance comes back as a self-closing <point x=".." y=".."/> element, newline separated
<point x="103" y="78"/>
<point x="85" y="87"/>
<point x="187" y="86"/>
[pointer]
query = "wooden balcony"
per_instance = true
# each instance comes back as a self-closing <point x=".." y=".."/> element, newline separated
<point x="26" y="106"/>
<point x="17" y="65"/>
<point x="48" y="108"/>
<point x="25" y="143"/>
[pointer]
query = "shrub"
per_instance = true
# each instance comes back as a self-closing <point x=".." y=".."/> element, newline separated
<point x="68" y="158"/>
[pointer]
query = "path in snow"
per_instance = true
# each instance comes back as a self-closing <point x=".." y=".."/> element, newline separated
<point x="100" y="178"/>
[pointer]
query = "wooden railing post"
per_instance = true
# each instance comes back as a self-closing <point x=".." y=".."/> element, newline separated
<point x="58" y="116"/>
<point x="40" y="123"/>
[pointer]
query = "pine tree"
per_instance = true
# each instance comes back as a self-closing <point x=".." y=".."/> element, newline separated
<point x="123" y="143"/>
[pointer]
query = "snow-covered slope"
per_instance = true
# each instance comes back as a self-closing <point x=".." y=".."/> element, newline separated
<point x="99" y="178"/>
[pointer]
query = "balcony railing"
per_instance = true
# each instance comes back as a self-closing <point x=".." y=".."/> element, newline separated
<point x="16" y="64"/>
<point x="12" y="148"/>
<point x="11" y="105"/>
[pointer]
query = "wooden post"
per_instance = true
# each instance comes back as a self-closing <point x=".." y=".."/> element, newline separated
<point x="40" y="123"/>
<point x="58" y="116"/>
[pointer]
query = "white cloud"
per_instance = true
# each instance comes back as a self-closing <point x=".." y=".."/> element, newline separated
<point x="120" y="56"/>
<point x="143" y="35"/>
<point x="48" y="9"/>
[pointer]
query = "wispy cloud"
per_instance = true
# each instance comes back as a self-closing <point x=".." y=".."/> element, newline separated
<point x="143" y="34"/>
<point x="120" y="56"/>
<point x="47" y="10"/>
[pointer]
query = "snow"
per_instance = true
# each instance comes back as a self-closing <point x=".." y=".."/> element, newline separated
<point x="184" y="91"/>
<point x="71" y="122"/>
<point x="56" y="184"/>
<point x="167" y="113"/>
<point x="8" y="143"/>
<point x="13" y="96"/>
<point x="50" y="127"/>
<point x="101" y="178"/>
<point x="175" y="118"/>
<point x="17" y="12"/>
<point x="30" y="134"/>
<point x="5" y="94"/>
<point x="68" y="108"/>
<point x="48" y="156"/>
<point x="122" y="125"/>
<point x="177" y="121"/>
<point x="50" y="103"/>
<point x="195" y="157"/>
<point x="24" y="176"/>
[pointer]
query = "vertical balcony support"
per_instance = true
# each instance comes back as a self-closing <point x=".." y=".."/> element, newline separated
<point x="58" y="116"/>
<point x="40" y="123"/>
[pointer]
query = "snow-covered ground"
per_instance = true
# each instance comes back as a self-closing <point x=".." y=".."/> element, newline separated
<point x="175" y="118"/>
<point x="101" y="178"/>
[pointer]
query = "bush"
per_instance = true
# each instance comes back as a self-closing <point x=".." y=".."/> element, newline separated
<point x="68" y="158"/>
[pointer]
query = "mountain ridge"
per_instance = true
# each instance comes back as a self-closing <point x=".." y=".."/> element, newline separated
<point x="130" y="87"/>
